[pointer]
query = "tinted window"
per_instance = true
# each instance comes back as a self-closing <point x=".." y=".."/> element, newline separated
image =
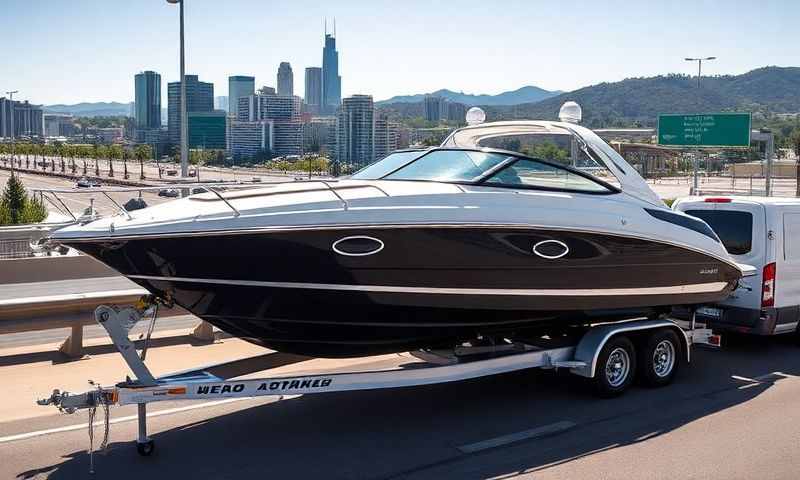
<point x="450" y="165"/>
<point x="388" y="164"/>
<point x="530" y="173"/>
<point x="735" y="229"/>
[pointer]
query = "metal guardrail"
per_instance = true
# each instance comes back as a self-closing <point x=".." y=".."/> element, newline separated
<point x="43" y="293"/>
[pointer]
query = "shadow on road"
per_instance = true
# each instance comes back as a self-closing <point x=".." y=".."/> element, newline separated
<point x="416" y="432"/>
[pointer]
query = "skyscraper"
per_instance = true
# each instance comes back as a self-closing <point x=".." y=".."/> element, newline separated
<point x="147" y="104"/>
<point x="313" y="89"/>
<point x="284" y="114"/>
<point x="285" y="80"/>
<point x="331" y="81"/>
<point x="239" y="86"/>
<point x="199" y="98"/>
<point x="355" y="132"/>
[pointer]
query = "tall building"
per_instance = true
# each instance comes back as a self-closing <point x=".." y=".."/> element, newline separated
<point x="267" y="91"/>
<point x="249" y="139"/>
<point x="285" y="80"/>
<point x="313" y="84"/>
<point x="239" y="86"/>
<point x="199" y="98"/>
<point x="221" y="103"/>
<point x="147" y="101"/>
<point x="28" y="119"/>
<point x="207" y="129"/>
<point x="434" y="107"/>
<point x="331" y="81"/>
<point x="355" y="132"/>
<point x="284" y="113"/>
<point x="319" y="135"/>
<point x="387" y="136"/>
<point x="59" y="125"/>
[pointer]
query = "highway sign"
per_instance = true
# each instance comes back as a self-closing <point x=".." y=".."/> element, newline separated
<point x="705" y="130"/>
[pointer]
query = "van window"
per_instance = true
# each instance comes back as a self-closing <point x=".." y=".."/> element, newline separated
<point x="791" y="236"/>
<point x="735" y="229"/>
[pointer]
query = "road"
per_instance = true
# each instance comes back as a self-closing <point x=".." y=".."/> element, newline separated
<point x="728" y="416"/>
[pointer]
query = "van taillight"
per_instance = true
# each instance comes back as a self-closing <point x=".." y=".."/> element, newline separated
<point x="717" y="200"/>
<point x="768" y="286"/>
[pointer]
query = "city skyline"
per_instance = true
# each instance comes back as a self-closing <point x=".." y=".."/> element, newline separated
<point x="381" y="47"/>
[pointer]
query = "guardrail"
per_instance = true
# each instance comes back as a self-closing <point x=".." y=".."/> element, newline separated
<point x="43" y="293"/>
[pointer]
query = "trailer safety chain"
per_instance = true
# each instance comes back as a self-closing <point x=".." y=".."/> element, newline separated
<point x="106" y="424"/>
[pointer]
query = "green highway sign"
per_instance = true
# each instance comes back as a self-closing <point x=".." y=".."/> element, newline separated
<point x="705" y="130"/>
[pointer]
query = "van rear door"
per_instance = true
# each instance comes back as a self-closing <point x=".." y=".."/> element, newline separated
<point x="741" y="225"/>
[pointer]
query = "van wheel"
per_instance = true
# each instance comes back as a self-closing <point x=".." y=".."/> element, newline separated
<point x="659" y="358"/>
<point x="616" y="367"/>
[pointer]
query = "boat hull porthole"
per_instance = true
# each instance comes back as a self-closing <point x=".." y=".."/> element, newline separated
<point x="357" y="246"/>
<point x="551" y="249"/>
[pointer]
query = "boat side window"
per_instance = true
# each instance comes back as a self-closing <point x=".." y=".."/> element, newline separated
<point x="733" y="227"/>
<point x="530" y="173"/>
<point x="450" y="165"/>
<point x="386" y="165"/>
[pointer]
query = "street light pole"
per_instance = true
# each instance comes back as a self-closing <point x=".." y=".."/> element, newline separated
<point x="13" y="133"/>
<point x="699" y="74"/>
<point x="184" y="108"/>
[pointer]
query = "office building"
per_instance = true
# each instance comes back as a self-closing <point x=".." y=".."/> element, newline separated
<point x="250" y="139"/>
<point x="355" y="132"/>
<point x="285" y="80"/>
<point x="207" y="130"/>
<point x="313" y="84"/>
<point x="331" y="80"/>
<point x="284" y="112"/>
<point x="28" y="119"/>
<point x="319" y="135"/>
<point x="147" y="100"/>
<point x="267" y="91"/>
<point x="457" y="112"/>
<point x="221" y="103"/>
<point x="59" y="125"/>
<point x="435" y="108"/>
<point x="386" y="136"/>
<point x="199" y="98"/>
<point x="239" y="86"/>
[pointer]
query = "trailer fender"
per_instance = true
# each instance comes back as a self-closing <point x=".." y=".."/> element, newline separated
<point x="588" y="349"/>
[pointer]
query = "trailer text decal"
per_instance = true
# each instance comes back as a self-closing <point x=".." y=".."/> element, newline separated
<point x="274" y="385"/>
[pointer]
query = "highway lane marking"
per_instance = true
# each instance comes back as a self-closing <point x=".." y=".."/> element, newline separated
<point x="545" y="430"/>
<point x="130" y="418"/>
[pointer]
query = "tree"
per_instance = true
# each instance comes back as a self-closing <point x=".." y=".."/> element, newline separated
<point x="15" y="206"/>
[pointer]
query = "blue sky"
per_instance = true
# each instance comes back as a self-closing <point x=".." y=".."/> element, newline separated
<point x="58" y="51"/>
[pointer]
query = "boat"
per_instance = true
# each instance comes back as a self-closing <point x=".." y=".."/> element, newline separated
<point x="479" y="238"/>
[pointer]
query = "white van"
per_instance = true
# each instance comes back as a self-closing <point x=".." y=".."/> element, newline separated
<point x="763" y="232"/>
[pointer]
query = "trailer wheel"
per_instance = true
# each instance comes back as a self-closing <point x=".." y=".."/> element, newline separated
<point x="659" y="358"/>
<point x="616" y="367"/>
<point x="145" y="449"/>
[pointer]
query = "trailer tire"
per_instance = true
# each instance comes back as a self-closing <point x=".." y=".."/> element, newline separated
<point x="659" y="358"/>
<point x="616" y="367"/>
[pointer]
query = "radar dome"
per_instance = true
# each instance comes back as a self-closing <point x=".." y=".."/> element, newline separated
<point x="475" y="116"/>
<point x="570" y="112"/>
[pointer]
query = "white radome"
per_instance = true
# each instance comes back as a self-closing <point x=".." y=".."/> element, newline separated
<point x="570" y="112"/>
<point x="475" y="116"/>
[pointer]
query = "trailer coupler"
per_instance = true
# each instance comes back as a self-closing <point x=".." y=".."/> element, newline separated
<point x="71" y="402"/>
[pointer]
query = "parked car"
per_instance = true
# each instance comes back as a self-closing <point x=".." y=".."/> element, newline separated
<point x="85" y="182"/>
<point x="197" y="190"/>
<point x="763" y="232"/>
<point x="256" y="179"/>
<point x="169" y="192"/>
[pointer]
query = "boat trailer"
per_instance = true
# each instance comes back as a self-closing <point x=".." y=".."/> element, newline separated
<point x="590" y="356"/>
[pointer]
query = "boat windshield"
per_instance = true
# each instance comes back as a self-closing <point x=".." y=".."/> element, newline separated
<point x="482" y="167"/>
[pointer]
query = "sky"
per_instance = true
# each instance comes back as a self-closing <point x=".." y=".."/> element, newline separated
<point x="57" y="51"/>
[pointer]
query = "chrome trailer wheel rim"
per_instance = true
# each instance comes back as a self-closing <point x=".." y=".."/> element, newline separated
<point x="663" y="358"/>
<point x="618" y="366"/>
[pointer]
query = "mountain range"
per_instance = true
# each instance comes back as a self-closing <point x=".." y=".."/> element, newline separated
<point x="639" y="101"/>
<point x="529" y="94"/>
<point x="96" y="109"/>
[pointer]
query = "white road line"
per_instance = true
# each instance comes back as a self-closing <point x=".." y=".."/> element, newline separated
<point x="550" y="429"/>
<point x="129" y="418"/>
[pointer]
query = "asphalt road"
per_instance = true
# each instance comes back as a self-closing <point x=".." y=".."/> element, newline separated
<point x="733" y="414"/>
